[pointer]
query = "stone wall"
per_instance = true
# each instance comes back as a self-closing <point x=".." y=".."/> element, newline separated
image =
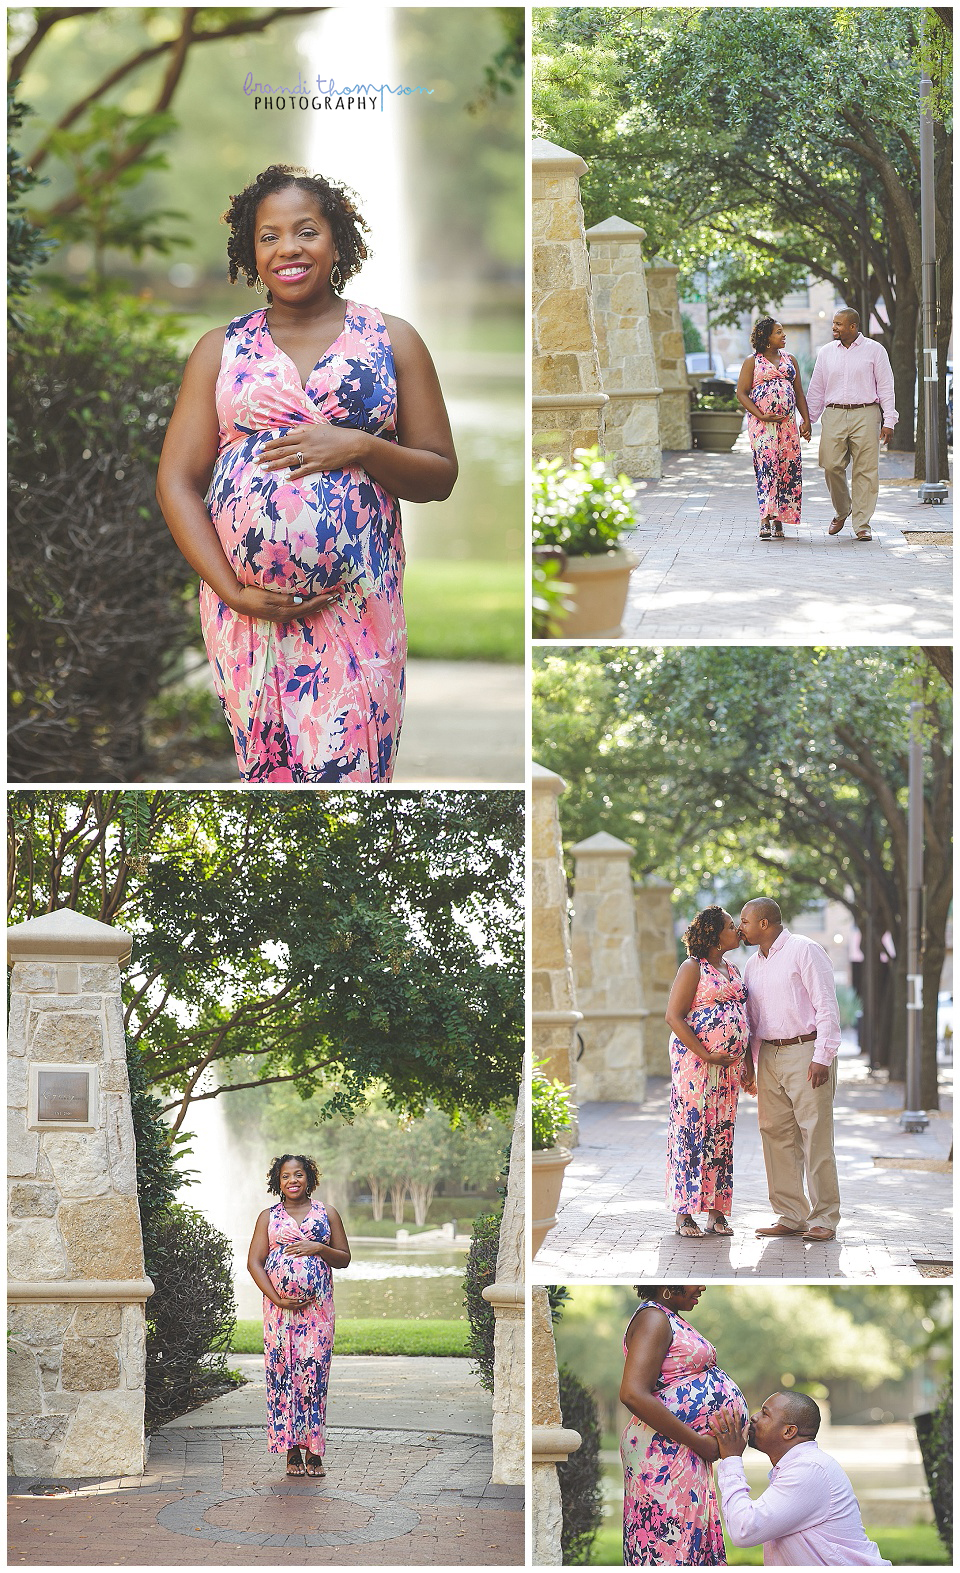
<point x="505" y="1294"/>
<point x="551" y="1443"/>
<point x="606" y="967"/>
<point x="627" y="364"/>
<point x="657" y="950"/>
<point x="554" y="1002"/>
<point x="568" y="396"/>
<point x="77" y="1284"/>
<point x="666" y="331"/>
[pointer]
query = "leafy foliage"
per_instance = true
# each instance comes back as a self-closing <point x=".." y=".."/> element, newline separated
<point x="158" y="1178"/>
<point x="480" y="1273"/>
<point x="581" y="1473"/>
<point x="935" y="1435"/>
<point x="26" y="246"/>
<point x="581" y="509"/>
<point x="191" y="1315"/>
<point x="550" y="1110"/>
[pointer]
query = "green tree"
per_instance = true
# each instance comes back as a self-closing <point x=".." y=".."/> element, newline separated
<point x="27" y="248"/>
<point x="335" y="940"/>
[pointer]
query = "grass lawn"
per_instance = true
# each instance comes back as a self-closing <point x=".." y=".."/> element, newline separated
<point x="373" y="1335"/>
<point x="464" y="611"/>
<point x="918" y="1545"/>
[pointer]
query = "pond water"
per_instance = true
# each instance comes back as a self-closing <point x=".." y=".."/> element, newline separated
<point x="383" y="1281"/>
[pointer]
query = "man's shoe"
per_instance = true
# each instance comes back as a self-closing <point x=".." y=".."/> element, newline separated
<point x="837" y="524"/>
<point x="863" y="535"/>
<point x="778" y="1229"/>
<point x="819" y="1234"/>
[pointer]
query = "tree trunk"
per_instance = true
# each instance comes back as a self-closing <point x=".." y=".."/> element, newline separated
<point x="932" y="968"/>
<point x="378" y="1197"/>
<point x="398" y="1195"/>
<point x="898" y="1016"/>
<point x="421" y="1194"/>
<point x="903" y="359"/>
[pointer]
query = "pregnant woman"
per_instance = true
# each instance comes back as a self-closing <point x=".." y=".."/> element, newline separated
<point x="671" y="1385"/>
<point x="296" y="430"/>
<point x="770" y="391"/>
<point x="708" y="1014"/>
<point x="294" y="1246"/>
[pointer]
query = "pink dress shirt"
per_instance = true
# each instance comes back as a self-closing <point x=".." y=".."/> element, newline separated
<point x="859" y="374"/>
<point x="791" y="991"/>
<point x="807" y="1517"/>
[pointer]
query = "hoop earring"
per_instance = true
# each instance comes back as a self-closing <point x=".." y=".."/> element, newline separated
<point x="666" y="1294"/>
<point x="259" y="285"/>
<point x="336" y="283"/>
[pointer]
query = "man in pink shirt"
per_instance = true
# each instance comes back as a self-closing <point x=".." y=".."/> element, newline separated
<point x="794" y="1025"/>
<point x="851" y="393"/>
<point x="808" y="1516"/>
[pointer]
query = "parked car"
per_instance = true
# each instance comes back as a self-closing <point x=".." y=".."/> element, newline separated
<point x="699" y="360"/>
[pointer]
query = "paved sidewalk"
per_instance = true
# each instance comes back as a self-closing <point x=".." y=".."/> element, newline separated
<point x="613" y="1223"/>
<point x="408" y="1484"/>
<point x="705" y="575"/>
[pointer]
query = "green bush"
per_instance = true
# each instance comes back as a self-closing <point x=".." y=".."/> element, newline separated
<point x="191" y="1315"/>
<point x="692" y="341"/>
<point x="719" y="401"/>
<point x="550" y="1110"/>
<point x="158" y="1179"/>
<point x="935" y="1435"/>
<point x="581" y="1475"/>
<point x="481" y="1271"/>
<point x="583" y="509"/>
<point x="98" y="591"/>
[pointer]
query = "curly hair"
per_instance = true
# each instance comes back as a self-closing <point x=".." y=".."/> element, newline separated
<point x="760" y="336"/>
<point x="653" y="1291"/>
<point x="336" y="203"/>
<point x="704" y="932"/>
<point x="307" y="1164"/>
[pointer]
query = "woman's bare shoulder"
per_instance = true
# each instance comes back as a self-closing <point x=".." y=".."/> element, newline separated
<point x="208" y="350"/>
<point x="689" y="968"/>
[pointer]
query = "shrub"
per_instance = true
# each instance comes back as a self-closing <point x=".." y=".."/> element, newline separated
<point x="935" y="1435"/>
<point x="549" y="1110"/>
<point x="158" y="1178"/>
<point x="692" y="339"/>
<point x="190" y="1317"/>
<point x="581" y="1476"/>
<point x="98" y="591"/>
<point x="481" y="1271"/>
<point x="583" y="509"/>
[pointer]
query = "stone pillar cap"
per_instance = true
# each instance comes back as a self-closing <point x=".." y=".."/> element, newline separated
<point x="544" y="780"/>
<point x="662" y="262"/>
<point x="554" y="1444"/>
<point x="602" y="845"/>
<point x="614" y="228"/>
<point x="66" y="934"/>
<point x="547" y="155"/>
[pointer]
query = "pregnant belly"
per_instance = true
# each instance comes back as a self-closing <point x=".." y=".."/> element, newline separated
<point x="302" y="536"/>
<point x="295" y="1275"/>
<point x="775" y="397"/>
<point x="696" y="1398"/>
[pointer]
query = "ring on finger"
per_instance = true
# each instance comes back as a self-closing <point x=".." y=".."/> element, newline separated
<point x="301" y="461"/>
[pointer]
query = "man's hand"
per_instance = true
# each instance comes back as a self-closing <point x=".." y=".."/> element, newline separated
<point x="748" y="1078"/>
<point x="730" y="1434"/>
<point x="817" y="1074"/>
<point x="886" y="432"/>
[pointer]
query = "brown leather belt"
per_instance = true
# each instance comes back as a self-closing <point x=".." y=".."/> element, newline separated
<point x="787" y="1043"/>
<point x="870" y="406"/>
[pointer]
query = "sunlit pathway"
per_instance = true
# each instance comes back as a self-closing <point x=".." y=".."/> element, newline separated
<point x="614" y="1224"/>
<point x="705" y="575"/>
<point x="408" y="1484"/>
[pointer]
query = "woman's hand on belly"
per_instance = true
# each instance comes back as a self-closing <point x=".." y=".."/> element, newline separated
<point x="324" y="447"/>
<point x="280" y="606"/>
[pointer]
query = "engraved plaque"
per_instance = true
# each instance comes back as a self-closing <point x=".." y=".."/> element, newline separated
<point x="63" y="1097"/>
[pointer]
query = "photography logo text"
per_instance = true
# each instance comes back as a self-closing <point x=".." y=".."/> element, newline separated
<point x="324" y="93"/>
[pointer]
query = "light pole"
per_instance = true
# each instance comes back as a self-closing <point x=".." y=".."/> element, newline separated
<point x="933" y="489"/>
<point x="913" y="1117"/>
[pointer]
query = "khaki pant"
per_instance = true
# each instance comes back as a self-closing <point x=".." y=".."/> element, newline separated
<point x="845" y="436"/>
<point x="796" y="1129"/>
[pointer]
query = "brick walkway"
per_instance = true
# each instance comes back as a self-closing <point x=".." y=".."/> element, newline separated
<point x="613" y="1223"/>
<point x="215" y="1495"/>
<point x="706" y="576"/>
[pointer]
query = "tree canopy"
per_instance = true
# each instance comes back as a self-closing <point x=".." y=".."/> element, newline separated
<point x="334" y="940"/>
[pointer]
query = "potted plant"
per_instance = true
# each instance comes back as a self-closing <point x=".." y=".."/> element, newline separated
<point x="550" y="1113"/>
<point x="580" y="515"/>
<point x="716" y="422"/>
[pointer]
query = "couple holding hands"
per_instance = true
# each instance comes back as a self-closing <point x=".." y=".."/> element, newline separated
<point x="783" y="1011"/>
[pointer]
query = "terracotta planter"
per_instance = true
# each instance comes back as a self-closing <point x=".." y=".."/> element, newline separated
<point x="548" y="1167"/>
<point x="599" y="586"/>
<point x="716" y="431"/>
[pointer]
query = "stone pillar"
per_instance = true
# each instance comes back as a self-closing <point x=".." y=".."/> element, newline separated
<point x="505" y="1294"/>
<point x="603" y="943"/>
<point x="555" y="1013"/>
<point x="568" y="396"/>
<point x="551" y="1443"/>
<point x="628" y="368"/>
<point x="77" y="1284"/>
<point x="666" y="331"/>
<point x="657" y="949"/>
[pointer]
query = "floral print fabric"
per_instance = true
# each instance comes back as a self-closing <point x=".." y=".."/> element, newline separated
<point x="319" y="699"/>
<point x="776" y="445"/>
<point x="297" y="1345"/>
<point x="703" y="1098"/>
<point x="670" y="1514"/>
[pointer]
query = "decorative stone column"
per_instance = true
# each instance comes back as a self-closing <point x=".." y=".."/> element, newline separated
<point x="628" y="368"/>
<point x="603" y="943"/>
<point x="666" y="331"/>
<point x="568" y="396"/>
<point x="551" y="1443"/>
<point x="505" y="1294"/>
<point x="77" y="1284"/>
<point x="657" y="950"/>
<point x="555" y="1013"/>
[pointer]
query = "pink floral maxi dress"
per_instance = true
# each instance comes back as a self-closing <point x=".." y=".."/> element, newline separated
<point x="297" y="1345"/>
<point x="670" y="1515"/>
<point x="703" y="1098"/>
<point x="776" y="445"/>
<point x="319" y="699"/>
